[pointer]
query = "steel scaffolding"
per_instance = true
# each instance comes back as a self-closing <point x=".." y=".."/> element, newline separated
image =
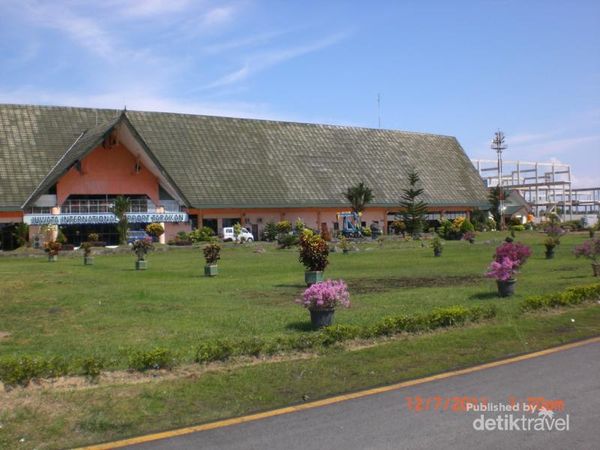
<point x="545" y="186"/>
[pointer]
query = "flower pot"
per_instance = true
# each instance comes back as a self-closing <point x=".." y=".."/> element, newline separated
<point x="312" y="277"/>
<point x="211" y="270"/>
<point x="549" y="253"/>
<point x="506" y="288"/>
<point x="88" y="260"/>
<point x="345" y="250"/>
<point x="437" y="252"/>
<point x="52" y="258"/>
<point x="321" y="317"/>
<point x="596" y="269"/>
<point x="141" y="265"/>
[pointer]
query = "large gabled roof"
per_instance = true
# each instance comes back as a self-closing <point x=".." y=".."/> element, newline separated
<point x="223" y="162"/>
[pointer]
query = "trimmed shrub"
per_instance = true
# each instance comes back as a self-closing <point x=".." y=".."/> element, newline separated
<point x="158" y="358"/>
<point x="91" y="367"/>
<point x="287" y="240"/>
<point x="339" y="333"/>
<point x="569" y="297"/>
<point x="21" y="370"/>
<point x="217" y="350"/>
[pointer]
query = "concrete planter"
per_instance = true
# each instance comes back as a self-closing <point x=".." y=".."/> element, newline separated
<point x="52" y="258"/>
<point x="321" y="317"/>
<point x="437" y="252"/>
<point x="312" y="277"/>
<point x="596" y="269"/>
<point x="549" y="253"/>
<point x="211" y="270"/>
<point x="506" y="288"/>
<point x="88" y="260"/>
<point x="141" y="265"/>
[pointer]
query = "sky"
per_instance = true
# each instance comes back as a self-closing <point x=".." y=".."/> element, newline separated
<point x="461" y="68"/>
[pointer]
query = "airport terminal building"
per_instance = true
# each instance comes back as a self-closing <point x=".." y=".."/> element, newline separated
<point x="65" y="166"/>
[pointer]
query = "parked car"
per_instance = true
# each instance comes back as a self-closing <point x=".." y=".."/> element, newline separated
<point x="228" y="235"/>
<point x="136" y="235"/>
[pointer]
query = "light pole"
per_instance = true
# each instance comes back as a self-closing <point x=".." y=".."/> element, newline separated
<point x="499" y="145"/>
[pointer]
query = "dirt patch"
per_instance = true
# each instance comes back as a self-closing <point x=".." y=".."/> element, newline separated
<point x="370" y="285"/>
<point x="4" y="335"/>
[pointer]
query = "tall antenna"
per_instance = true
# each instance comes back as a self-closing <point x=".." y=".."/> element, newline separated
<point x="379" y="110"/>
<point x="499" y="146"/>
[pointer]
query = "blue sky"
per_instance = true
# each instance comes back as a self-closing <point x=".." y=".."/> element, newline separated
<point x="462" y="68"/>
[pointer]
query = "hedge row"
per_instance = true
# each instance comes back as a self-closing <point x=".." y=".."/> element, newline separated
<point x="220" y="350"/>
<point x="569" y="297"/>
<point x="21" y="370"/>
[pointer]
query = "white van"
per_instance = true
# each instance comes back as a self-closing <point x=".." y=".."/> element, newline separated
<point x="245" y="235"/>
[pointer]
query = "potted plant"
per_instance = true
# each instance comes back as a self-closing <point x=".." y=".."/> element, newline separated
<point x="469" y="236"/>
<point x="155" y="230"/>
<point x="550" y="243"/>
<point x="344" y="245"/>
<point x="321" y="300"/>
<point x="52" y="248"/>
<point x="88" y="259"/>
<point x="437" y="246"/>
<point x="141" y="247"/>
<point x="509" y="257"/>
<point x="211" y="255"/>
<point x="314" y="253"/>
<point x="591" y="250"/>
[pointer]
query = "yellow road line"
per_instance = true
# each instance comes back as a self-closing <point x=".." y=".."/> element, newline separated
<point x="332" y="400"/>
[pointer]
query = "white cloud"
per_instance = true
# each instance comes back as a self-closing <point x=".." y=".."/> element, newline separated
<point x="262" y="61"/>
<point x="147" y="8"/>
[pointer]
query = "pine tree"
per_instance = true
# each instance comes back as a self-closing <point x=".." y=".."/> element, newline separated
<point x="413" y="210"/>
<point x="120" y="207"/>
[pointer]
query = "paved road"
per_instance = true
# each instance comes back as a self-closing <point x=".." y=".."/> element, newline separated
<point x="385" y="421"/>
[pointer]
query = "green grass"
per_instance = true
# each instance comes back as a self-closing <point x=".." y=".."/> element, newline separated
<point x="72" y="310"/>
<point x="48" y="419"/>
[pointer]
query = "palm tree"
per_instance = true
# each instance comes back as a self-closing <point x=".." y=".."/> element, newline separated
<point x="359" y="196"/>
<point x="120" y="207"/>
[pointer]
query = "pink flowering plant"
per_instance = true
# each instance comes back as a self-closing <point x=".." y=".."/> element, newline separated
<point x="325" y="295"/>
<point x="509" y="257"/>
<point x="589" y="249"/>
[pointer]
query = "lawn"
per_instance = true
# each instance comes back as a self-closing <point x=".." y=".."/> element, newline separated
<point x="72" y="310"/>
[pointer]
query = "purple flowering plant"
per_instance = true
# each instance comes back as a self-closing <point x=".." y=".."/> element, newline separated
<point x="509" y="257"/>
<point x="589" y="249"/>
<point x="325" y="295"/>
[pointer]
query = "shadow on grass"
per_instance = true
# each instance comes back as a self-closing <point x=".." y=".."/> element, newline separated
<point x="291" y="286"/>
<point x="484" y="296"/>
<point x="300" y="326"/>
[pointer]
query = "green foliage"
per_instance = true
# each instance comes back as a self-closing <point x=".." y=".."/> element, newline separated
<point x="569" y="297"/>
<point x="359" y="196"/>
<point x="314" y="251"/>
<point x="237" y="230"/>
<point x="155" y="229"/>
<point x="60" y="237"/>
<point x="21" y="370"/>
<point x="87" y="248"/>
<point x="366" y="231"/>
<point x="21" y="233"/>
<point x="517" y="228"/>
<point x="120" y="207"/>
<point x="299" y="225"/>
<point x="158" y="358"/>
<point x="91" y="367"/>
<point x="339" y="333"/>
<point x="93" y="237"/>
<point x="436" y="244"/>
<point x="467" y="226"/>
<point x="479" y="219"/>
<point x="494" y="198"/>
<point x="413" y="210"/>
<point x="283" y="227"/>
<point x="204" y="234"/>
<point x="270" y="232"/>
<point x="217" y="350"/>
<point x="398" y="227"/>
<point x="212" y="253"/>
<point x="287" y="240"/>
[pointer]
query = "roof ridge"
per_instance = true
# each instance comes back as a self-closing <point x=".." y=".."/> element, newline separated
<point x="246" y="119"/>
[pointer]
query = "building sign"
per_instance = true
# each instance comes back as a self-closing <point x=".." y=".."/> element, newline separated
<point x="77" y="219"/>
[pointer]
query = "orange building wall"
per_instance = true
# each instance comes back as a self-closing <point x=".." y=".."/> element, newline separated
<point x="11" y="216"/>
<point x="108" y="171"/>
